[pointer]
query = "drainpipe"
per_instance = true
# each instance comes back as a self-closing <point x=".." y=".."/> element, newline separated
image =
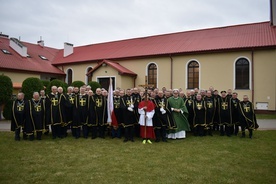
<point x="252" y="75"/>
<point x="134" y="82"/>
<point x="171" y="71"/>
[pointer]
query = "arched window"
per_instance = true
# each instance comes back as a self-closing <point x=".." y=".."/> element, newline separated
<point x="152" y="74"/>
<point x="242" y="74"/>
<point x="69" y="76"/>
<point x="193" y="75"/>
<point x="88" y="77"/>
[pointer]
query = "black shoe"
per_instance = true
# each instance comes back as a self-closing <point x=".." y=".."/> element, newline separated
<point x="132" y="140"/>
<point x="17" y="138"/>
<point x="46" y="133"/>
<point x="165" y="140"/>
<point x="93" y="137"/>
<point x="125" y="140"/>
<point x="54" y="137"/>
<point x="157" y="140"/>
<point x="31" y="138"/>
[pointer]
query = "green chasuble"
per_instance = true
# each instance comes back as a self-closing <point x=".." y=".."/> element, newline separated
<point x="180" y="118"/>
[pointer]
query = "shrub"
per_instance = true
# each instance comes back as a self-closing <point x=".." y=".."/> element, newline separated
<point x="5" y="89"/>
<point x="7" y="111"/>
<point x="94" y="85"/>
<point x="77" y="84"/>
<point x="57" y="83"/>
<point x="31" y="85"/>
<point x="45" y="83"/>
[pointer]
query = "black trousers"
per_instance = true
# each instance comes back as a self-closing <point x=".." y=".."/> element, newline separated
<point x="56" y="131"/>
<point x="199" y="130"/>
<point x="17" y="134"/>
<point x="160" y="133"/>
<point x="129" y="132"/>
<point x="224" y="129"/>
<point x="85" y="131"/>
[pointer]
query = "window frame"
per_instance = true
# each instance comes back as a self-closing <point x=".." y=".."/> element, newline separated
<point x="188" y="77"/>
<point x="155" y="74"/>
<point x="235" y="73"/>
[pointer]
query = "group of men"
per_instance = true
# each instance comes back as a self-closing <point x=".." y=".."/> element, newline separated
<point x="154" y="115"/>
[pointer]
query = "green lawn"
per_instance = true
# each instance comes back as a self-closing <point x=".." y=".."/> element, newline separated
<point x="193" y="160"/>
<point x="266" y="116"/>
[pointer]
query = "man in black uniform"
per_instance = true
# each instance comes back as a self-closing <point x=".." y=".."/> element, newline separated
<point x="164" y="119"/>
<point x="80" y="114"/>
<point x="127" y="107"/>
<point x="70" y="99"/>
<point x="55" y="105"/>
<point x="225" y="114"/>
<point x="136" y="98"/>
<point x="217" y="98"/>
<point x="18" y="116"/>
<point x="117" y="126"/>
<point x="100" y="114"/>
<point x="235" y="113"/>
<point x="199" y="108"/>
<point x="35" y="117"/>
<point x="247" y="117"/>
<point x="45" y="126"/>
<point x="189" y="105"/>
<point x="210" y="113"/>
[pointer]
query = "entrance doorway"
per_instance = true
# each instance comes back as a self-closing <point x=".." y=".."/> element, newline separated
<point x="104" y="82"/>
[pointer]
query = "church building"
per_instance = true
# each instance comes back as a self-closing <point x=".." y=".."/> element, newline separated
<point x="238" y="57"/>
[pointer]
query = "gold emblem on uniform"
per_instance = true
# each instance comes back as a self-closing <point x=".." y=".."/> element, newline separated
<point x="82" y="101"/>
<point x="71" y="100"/>
<point x="246" y="108"/>
<point x="116" y="103"/>
<point x="54" y="101"/>
<point x="199" y="106"/>
<point x="209" y="105"/>
<point x="37" y="108"/>
<point x="98" y="102"/>
<point x="20" y="107"/>
<point x="224" y="105"/>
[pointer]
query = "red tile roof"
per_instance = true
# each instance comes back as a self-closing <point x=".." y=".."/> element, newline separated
<point x="122" y="70"/>
<point x="245" y="36"/>
<point x="14" y="61"/>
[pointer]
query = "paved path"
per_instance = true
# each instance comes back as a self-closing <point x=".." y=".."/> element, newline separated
<point x="265" y="124"/>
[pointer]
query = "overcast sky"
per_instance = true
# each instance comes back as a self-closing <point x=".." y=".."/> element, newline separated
<point x="84" y="22"/>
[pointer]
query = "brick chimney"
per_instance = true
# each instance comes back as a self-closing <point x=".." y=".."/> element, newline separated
<point x="16" y="45"/>
<point x="68" y="49"/>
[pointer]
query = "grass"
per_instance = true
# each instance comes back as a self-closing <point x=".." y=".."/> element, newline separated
<point x="192" y="160"/>
<point x="266" y="116"/>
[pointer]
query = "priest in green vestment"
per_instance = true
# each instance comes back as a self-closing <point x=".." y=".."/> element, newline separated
<point x="179" y="114"/>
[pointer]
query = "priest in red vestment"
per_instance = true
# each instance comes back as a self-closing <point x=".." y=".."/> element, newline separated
<point x="146" y="111"/>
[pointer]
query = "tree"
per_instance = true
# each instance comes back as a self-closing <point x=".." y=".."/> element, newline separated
<point x="45" y="83"/>
<point x="5" y="89"/>
<point x="94" y="85"/>
<point x="7" y="111"/>
<point x="31" y="85"/>
<point x="77" y="84"/>
<point x="57" y="83"/>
